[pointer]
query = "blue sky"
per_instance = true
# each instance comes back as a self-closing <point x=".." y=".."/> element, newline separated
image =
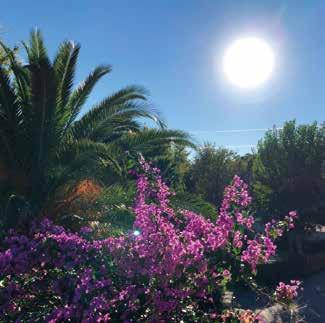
<point x="174" y="48"/>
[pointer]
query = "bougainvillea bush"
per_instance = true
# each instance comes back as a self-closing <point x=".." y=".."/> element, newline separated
<point x="175" y="265"/>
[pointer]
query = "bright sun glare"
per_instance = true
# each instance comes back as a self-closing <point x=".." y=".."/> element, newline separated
<point x="248" y="62"/>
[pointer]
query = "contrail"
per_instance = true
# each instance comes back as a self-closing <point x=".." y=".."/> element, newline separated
<point x="243" y="130"/>
<point x="241" y="146"/>
<point x="232" y="130"/>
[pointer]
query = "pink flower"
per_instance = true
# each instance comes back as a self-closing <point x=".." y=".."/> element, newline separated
<point x="288" y="292"/>
<point x="237" y="241"/>
<point x="174" y="263"/>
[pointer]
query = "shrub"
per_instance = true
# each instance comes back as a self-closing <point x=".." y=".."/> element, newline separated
<point x="174" y="264"/>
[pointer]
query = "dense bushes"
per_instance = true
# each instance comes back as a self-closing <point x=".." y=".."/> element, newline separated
<point x="288" y="172"/>
<point x="285" y="171"/>
<point x="174" y="265"/>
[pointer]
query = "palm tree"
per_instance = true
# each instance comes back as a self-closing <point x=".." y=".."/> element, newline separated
<point x="44" y="142"/>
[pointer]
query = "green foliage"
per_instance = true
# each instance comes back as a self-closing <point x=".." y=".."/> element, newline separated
<point x="287" y="171"/>
<point x="111" y="213"/>
<point x="115" y="210"/>
<point x="194" y="203"/>
<point x="211" y="170"/>
<point x="44" y="142"/>
<point x="174" y="164"/>
<point x="243" y="167"/>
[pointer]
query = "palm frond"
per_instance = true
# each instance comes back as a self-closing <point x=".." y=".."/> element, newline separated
<point x="38" y="111"/>
<point x="111" y="129"/>
<point x="128" y="111"/>
<point x="20" y="75"/>
<point x="7" y="98"/>
<point x="64" y="66"/>
<point x="36" y="50"/>
<point x="74" y="149"/>
<point x="43" y="101"/>
<point x="9" y="117"/>
<point x="79" y="96"/>
<point x="131" y="92"/>
<point x="149" y="138"/>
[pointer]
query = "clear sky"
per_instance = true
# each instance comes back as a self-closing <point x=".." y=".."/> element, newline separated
<point x="174" y="49"/>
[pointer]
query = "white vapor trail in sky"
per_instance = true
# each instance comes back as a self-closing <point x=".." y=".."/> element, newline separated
<point x="232" y="130"/>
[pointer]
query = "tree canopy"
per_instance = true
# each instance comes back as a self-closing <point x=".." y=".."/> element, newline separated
<point x="46" y="143"/>
<point x="287" y="170"/>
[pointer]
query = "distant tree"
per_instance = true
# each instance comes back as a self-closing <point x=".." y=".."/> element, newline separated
<point x="45" y="142"/>
<point x="287" y="172"/>
<point x="243" y="167"/>
<point x="173" y="161"/>
<point x="211" y="170"/>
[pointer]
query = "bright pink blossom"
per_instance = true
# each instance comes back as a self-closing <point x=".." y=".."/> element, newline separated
<point x="288" y="292"/>
<point x="177" y="259"/>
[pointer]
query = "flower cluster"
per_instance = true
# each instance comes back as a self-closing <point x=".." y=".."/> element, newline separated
<point x="287" y="292"/>
<point x="175" y="264"/>
<point x="56" y="274"/>
<point x="245" y="316"/>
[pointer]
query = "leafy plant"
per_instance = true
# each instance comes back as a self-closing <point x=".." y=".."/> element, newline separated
<point x="47" y="144"/>
<point x="287" y="171"/>
<point x="174" y="265"/>
<point x="211" y="170"/>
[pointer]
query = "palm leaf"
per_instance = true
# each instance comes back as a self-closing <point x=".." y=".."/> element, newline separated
<point x="64" y="66"/>
<point x="43" y="98"/>
<point x="147" y="139"/>
<point x="36" y="50"/>
<point x="80" y="95"/>
<point x="105" y="110"/>
<point x="74" y="149"/>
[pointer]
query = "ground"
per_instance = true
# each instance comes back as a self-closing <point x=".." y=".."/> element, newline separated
<point x="313" y="296"/>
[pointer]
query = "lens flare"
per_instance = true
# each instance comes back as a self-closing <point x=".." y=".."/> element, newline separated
<point x="136" y="233"/>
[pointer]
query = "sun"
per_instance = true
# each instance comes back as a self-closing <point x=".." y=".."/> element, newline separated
<point x="248" y="62"/>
